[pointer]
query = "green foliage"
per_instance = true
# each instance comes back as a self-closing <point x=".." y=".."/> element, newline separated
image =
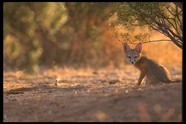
<point x="73" y="33"/>
<point x="165" y="17"/>
<point x="25" y="22"/>
<point x="87" y="17"/>
<point x="138" y="13"/>
<point x="51" y="33"/>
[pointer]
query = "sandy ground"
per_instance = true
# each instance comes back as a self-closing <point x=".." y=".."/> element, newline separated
<point x="92" y="96"/>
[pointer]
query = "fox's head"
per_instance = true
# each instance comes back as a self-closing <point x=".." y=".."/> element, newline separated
<point x="132" y="55"/>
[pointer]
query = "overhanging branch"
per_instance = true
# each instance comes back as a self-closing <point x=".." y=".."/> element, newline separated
<point x="156" y="40"/>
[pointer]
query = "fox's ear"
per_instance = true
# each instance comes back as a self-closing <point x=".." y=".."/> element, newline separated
<point x="138" y="47"/>
<point x="126" y="47"/>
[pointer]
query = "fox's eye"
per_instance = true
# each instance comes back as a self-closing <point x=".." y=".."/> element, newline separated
<point x="136" y="57"/>
<point x="129" y="57"/>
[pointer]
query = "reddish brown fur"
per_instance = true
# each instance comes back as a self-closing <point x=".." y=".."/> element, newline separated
<point x="153" y="72"/>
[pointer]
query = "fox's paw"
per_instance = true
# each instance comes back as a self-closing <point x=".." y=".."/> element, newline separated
<point x="136" y="86"/>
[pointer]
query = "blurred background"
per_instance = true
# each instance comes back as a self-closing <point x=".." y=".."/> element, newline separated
<point x="40" y="35"/>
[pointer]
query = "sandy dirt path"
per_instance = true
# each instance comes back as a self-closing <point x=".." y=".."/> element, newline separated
<point x="90" y="96"/>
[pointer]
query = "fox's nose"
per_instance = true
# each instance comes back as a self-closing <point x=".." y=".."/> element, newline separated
<point x="132" y="62"/>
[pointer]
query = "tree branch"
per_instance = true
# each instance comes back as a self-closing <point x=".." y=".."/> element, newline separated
<point x="157" y="40"/>
<point x="168" y="9"/>
<point x="179" y="4"/>
<point x="112" y="13"/>
<point x="179" y="44"/>
<point x="158" y="23"/>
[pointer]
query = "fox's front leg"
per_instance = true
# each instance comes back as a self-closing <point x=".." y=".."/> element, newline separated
<point x="141" y="77"/>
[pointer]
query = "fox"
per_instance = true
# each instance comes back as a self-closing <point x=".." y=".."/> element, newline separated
<point x="154" y="72"/>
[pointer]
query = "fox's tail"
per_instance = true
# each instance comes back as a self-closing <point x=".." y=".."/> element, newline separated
<point x="176" y="81"/>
